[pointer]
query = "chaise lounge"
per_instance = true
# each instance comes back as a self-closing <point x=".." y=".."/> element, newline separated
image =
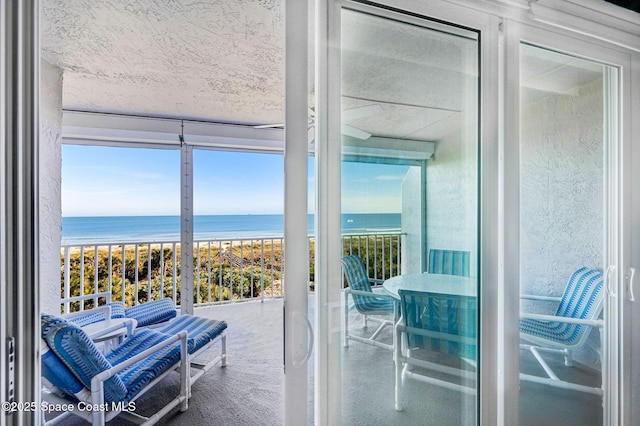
<point x="98" y="387"/>
<point x="162" y="316"/>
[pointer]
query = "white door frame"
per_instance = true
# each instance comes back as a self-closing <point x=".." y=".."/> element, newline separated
<point x="297" y="348"/>
<point x="19" y="256"/>
<point x="631" y="210"/>
<point x="617" y="213"/>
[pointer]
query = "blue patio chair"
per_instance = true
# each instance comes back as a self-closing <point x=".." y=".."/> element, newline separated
<point x="448" y="262"/>
<point x="370" y="304"/>
<point x="436" y="323"/>
<point x="76" y="373"/>
<point x="577" y="314"/>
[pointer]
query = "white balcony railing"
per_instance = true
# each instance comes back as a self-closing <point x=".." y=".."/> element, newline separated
<point x="225" y="270"/>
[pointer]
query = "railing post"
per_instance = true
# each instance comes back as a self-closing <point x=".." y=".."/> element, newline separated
<point x="110" y="277"/>
<point x="262" y="271"/>
<point x="67" y="279"/>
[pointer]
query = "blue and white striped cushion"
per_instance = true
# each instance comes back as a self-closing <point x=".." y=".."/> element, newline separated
<point x="140" y="374"/>
<point x="449" y="262"/>
<point x="451" y="318"/>
<point x="117" y="310"/>
<point x="89" y="318"/>
<point x="200" y="330"/>
<point x="153" y="312"/>
<point x="58" y="375"/>
<point x="581" y="299"/>
<point x="80" y="355"/>
<point x="358" y="279"/>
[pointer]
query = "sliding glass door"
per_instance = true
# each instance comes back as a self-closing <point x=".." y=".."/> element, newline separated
<point x="570" y="226"/>
<point x="403" y="273"/>
<point x="409" y="143"/>
<point x="409" y="103"/>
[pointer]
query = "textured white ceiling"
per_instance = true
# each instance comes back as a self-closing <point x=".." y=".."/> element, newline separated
<point x="223" y="61"/>
<point x="216" y="60"/>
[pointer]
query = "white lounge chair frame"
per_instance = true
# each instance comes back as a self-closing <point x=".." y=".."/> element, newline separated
<point x="100" y="417"/>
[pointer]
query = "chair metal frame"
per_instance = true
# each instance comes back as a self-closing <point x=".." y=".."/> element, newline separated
<point x="362" y="293"/>
<point x="438" y="337"/>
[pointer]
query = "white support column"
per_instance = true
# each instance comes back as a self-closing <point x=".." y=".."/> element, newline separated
<point x="50" y="181"/>
<point x="295" y="212"/>
<point x="19" y="260"/>
<point x="186" y="229"/>
<point x="508" y="410"/>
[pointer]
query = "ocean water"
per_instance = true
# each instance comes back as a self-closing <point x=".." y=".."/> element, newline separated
<point x="115" y="229"/>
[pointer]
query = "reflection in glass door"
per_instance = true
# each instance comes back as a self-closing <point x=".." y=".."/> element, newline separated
<point x="409" y="122"/>
<point x="566" y="135"/>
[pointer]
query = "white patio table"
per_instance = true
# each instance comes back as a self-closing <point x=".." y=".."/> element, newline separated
<point x="122" y="327"/>
<point x="433" y="283"/>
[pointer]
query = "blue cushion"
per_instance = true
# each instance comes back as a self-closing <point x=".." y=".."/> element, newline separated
<point x="80" y="355"/>
<point x="140" y="374"/>
<point x="117" y="310"/>
<point x="89" y="318"/>
<point x="54" y="371"/>
<point x="582" y="299"/>
<point x="449" y="321"/>
<point x="200" y="330"/>
<point x="449" y="262"/>
<point x="358" y="279"/>
<point x="153" y="312"/>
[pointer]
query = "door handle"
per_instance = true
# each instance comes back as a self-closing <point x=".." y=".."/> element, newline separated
<point x="632" y="273"/>
<point x="607" y="276"/>
<point x="299" y="363"/>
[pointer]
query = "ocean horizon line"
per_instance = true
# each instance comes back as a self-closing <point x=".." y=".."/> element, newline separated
<point x="87" y="230"/>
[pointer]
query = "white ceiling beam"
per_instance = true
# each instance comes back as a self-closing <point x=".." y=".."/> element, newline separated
<point x="86" y="128"/>
<point x="405" y="149"/>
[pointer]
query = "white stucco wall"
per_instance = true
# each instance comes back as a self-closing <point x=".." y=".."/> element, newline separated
<point x="412" y="243"/>
<point x="50" y="171"/>
<point x="452" y="186"/>
<point x="561" y="192"/>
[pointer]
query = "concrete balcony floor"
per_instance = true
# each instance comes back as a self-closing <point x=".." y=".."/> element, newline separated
<point x="250" y="390"/>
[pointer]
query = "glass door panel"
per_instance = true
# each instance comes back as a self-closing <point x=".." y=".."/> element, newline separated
<point x="565" y="227"/>
<point x="409" y="96"/>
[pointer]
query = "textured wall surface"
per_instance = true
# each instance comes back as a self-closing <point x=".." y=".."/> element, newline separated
<point x="561" y="188"/>
<point x="50" y="186"/>
<point x="452" y="196"/>
<point x="412" y="244"/>
<point x="561" y="191"/>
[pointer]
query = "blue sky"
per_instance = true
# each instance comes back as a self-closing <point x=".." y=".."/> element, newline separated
<point x="105" y="181"/>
